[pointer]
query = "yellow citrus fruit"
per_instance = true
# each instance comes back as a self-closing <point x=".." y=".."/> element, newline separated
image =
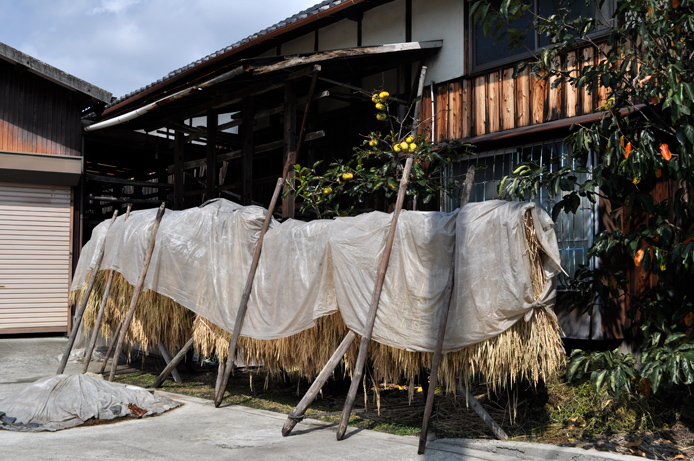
<point x="347" y="176"/>
<point x="381" y="116"/>
<point x="327" y="190"/>
<point x="383" y="96"/>
<point x="380" y="106"/>
<point x="404" y="145"/>
<point x="409" y="139"/>
<point x="397" y="148"/>
<point x="413" y="146"/>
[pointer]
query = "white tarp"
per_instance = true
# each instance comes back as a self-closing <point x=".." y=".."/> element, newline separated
<point x="307" y="270"/>
<point x="64" y="401"/>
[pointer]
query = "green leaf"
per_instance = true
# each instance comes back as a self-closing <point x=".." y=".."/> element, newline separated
<point x="598" y="380"/>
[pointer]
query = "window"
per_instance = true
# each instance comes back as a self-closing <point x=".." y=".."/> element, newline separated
<point x="486" y="53"/>
<point x="574" y="231"/>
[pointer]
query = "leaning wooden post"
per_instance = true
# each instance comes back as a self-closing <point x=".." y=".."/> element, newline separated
<point x="102" y="307"/>
<point x="297" y="414"/>
<point x="243" y="304"/>
<point x="172" y="364"/>
<point x="436" y="359"/>
<point x="136" y="293"/>
<point x="373" y="307"/>
<point x="167" y="358"/>
<point x="83" y="304"/>
<point x="112" y="343"/>
<point x="482" y="413"/>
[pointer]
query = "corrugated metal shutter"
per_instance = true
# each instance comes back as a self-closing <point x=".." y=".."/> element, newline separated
<point x="34" y="258"/>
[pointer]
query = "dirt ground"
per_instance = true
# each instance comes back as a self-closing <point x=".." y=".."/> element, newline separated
<point x="544" y="415"/>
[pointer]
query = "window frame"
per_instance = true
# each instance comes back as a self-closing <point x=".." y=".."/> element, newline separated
<point x="517" y="153"/>
<point x="503" y="62"/>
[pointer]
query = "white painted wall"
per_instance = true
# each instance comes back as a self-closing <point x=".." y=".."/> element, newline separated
<point x="441" y="20"/>
<point x="342" y="34"/>
<point x="303" y="44"/>
<point x="384" y="24"/>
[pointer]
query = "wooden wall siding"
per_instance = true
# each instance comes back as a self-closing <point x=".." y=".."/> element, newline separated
<point x="37" y="116"/>
<point x="495" y="101"/>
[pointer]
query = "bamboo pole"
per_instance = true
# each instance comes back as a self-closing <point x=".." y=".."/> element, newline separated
<point x="373" y="307"/>
<point x="102" y="307"/>
<point x="83" y="304"/>
<point x="136" y="292"/>
<point x="436" y="359"/>
<point x="297" y="414"/>
<point x="172" y="364"/>
<point x="243" y="304"/>
<point x="113" y="342"/>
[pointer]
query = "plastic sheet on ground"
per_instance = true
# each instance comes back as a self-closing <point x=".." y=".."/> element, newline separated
<point x="65" y="401"/>
<point x="308" y="270"/>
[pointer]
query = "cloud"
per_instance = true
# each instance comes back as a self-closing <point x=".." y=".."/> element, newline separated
<point x="113" y="6"/>
<point x="123" y="45"/>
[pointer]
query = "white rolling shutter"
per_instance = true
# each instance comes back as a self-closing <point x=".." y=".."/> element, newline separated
<point x="34" y="258"/>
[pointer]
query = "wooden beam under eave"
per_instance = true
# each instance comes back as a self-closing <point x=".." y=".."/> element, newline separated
<point x="247" y="148"/>
<point x="289" y="146"/>
<point x="212" y="122"/>
<point x="178" y="170"/>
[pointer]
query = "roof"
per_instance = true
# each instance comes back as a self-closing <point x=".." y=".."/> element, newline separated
<point x="319" y="11"/>
<point x="266" y="75"/>
<point x="53" y="74"/>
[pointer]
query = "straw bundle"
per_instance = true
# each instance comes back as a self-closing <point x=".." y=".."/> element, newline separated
<point x="156" y="320"/>
<point x="528" y="350"/>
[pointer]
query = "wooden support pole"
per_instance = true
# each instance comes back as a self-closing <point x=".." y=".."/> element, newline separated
<point x="167" y="358"/>
<point x="297" y="414"/>
<point x="436" y="359"/>
<point x="113" y="342"/>
<point x="289" y="146"/>
<point x="373" y="307"/>
<point x="307" y="110"/>
<point x="136" y="292"/>
<point x="172" y="364"/>
<point x="100" y="314"/>
<point x="83" y="304"/>
<point x="212" y="122"/>
<point x="247" y="148"/>
<point x="243" y="304"/>
<point x="178" y="169"/>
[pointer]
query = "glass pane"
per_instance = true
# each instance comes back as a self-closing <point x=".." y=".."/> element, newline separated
<point x="486" y="51"/>
<point x="574" y="231"/>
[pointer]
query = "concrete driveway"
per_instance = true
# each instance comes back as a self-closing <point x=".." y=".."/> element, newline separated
<point x="197" y="429"/>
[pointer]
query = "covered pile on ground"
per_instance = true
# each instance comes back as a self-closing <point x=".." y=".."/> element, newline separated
<point x="65" y="401"/>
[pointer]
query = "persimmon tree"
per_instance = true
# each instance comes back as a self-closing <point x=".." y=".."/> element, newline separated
<point x="370" y="178"/>
<point x="644" y="138"/>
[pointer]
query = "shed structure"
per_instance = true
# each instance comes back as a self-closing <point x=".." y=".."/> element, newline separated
<point x="40" y="169"/>
<point x="299" y="91"/>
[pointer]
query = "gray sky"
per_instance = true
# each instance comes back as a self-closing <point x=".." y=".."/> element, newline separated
<point x="123" y="45"/>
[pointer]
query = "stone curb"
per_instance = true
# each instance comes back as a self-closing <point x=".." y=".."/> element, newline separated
<point x="528" y="450"/>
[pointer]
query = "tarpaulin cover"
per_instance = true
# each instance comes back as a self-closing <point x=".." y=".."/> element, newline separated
<point x="65" y="401"/>
<point x="307" y="270"/>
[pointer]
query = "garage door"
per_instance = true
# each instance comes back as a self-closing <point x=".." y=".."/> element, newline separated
<point x="34" y="258"/>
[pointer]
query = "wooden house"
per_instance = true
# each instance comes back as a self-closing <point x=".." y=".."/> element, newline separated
<point x="299" y="91"/>
<point x="40" y="170"/>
